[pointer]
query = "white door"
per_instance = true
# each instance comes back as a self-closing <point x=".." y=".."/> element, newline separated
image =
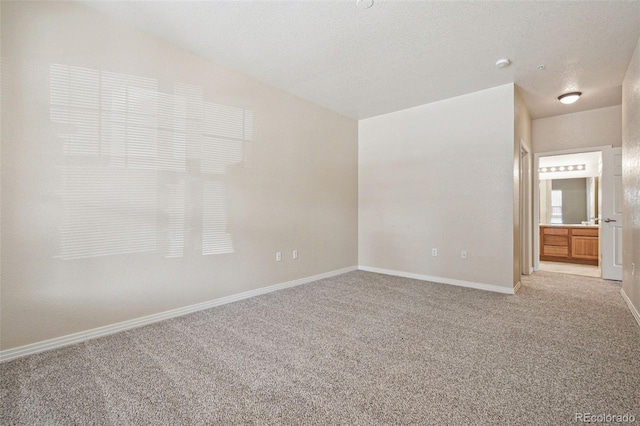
<point x="611" y="215"/>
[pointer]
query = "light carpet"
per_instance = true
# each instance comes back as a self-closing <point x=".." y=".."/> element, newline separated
<point x="357" y="349"/>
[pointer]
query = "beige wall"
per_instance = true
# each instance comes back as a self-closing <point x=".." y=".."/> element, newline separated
<point x="597" y="127"/>
<point x="440" y="176"/>
<point x="138" y="177"/>
<point x="631" y="179"/>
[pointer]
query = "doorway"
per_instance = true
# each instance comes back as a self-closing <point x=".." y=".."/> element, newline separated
<point x="576" y="202"/>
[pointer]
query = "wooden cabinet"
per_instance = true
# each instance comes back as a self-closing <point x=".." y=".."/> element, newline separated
<point x="584" y="244"/>
<point x="572" y="244"/>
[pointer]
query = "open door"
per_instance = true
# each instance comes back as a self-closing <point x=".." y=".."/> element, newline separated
<point x="611" y="214"/>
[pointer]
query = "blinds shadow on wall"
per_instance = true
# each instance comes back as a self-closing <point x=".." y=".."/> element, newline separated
<point x="141" y="170"/>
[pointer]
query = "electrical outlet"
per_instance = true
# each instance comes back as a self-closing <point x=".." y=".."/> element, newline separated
<point x="295" y="254"/>
<point x="278" y="256"/>
<point x="463" y="254"/>
<point x="434" y="252"/>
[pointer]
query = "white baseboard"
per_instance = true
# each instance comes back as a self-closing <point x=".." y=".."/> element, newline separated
<point x="440" y="280"/>
<point x="82" y="336"/>
<point x="632" y="308"/>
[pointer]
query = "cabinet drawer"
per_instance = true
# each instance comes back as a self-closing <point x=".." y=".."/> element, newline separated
<point x="558" y="251"/>
<point x="556" y="240"/>
<point x="555" y="231"/>
<point x="587" y="232"/>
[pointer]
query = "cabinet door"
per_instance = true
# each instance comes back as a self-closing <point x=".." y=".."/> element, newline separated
<point x="584" y="247"/>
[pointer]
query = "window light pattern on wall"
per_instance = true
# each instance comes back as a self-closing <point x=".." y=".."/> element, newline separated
<point x="132" y="158"/>
<point x="567" y="168"/>
<point x="556" y="206"/>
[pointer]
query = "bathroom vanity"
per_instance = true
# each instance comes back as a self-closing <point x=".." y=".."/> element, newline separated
<point x="570" y="243"/>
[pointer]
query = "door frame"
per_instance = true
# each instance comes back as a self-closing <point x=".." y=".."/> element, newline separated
<point x="526" y="225"/>
<point x="536" y="192"/>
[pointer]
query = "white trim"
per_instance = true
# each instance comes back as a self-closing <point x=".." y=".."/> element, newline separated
<point x="573" y="151"/>
<point x="632" y="308"/>
<point x="82" y="336"/>
<point x="440" y="280"/>
<point x="526" y="195"/>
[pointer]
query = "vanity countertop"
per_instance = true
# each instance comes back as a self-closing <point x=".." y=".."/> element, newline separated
<point x="577" y="225"/>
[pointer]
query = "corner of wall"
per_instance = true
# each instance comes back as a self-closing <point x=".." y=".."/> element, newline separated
<point x="411" y="163"/>
<point x="193" y="207"/>
<point x="631" y="183"/>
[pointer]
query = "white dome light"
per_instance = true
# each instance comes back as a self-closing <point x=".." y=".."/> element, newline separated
<point x="569" y="98"/>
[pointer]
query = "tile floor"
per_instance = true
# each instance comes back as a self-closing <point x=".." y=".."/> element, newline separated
<point x="571" y="268"/>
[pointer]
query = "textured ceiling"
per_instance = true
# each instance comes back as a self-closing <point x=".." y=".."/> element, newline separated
<point x="399" y="54"/>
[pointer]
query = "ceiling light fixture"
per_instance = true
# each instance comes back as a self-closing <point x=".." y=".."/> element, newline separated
<point x="501" y="63"/>
<point x="569" y="98"/>
<point x="364" y="4"/>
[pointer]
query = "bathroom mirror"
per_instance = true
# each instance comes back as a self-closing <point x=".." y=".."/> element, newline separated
<point x="569" y="201"/>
